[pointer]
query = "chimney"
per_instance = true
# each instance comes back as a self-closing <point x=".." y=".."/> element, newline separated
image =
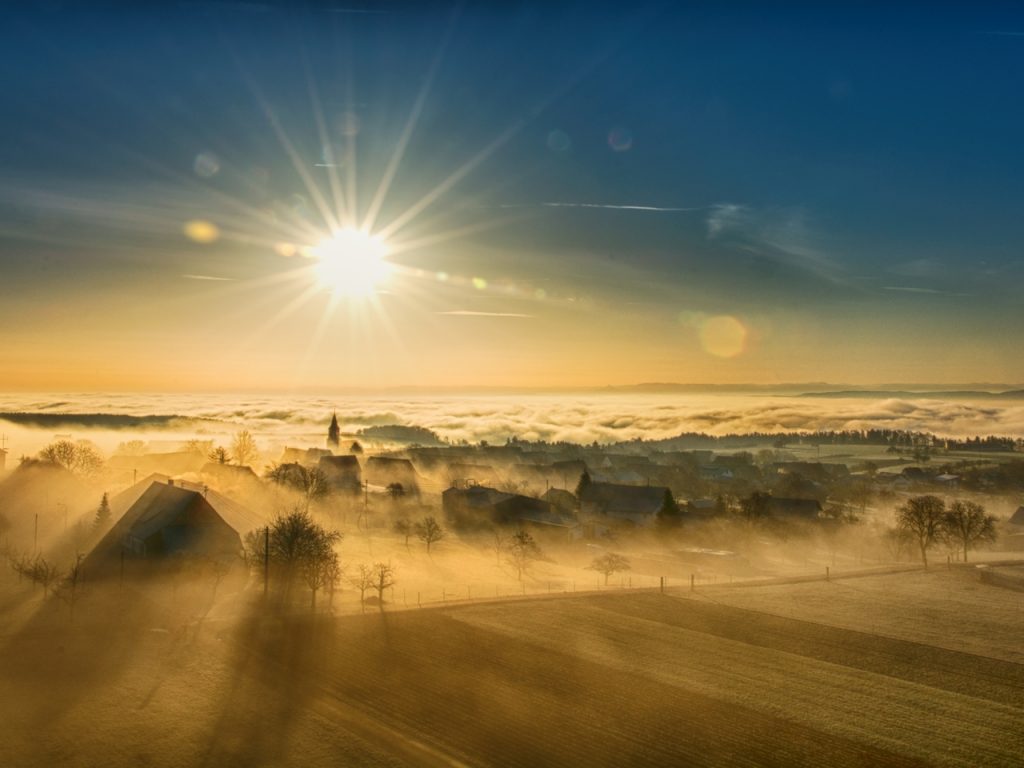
<point x="170" y="481"/>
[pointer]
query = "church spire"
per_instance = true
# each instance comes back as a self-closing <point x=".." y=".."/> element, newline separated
<point x="333" y="432"/>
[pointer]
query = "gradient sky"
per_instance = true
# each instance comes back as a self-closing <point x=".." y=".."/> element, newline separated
<point x="573" y="194"/>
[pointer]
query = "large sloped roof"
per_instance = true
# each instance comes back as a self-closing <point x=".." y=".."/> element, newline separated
<point x="634" y="499"/>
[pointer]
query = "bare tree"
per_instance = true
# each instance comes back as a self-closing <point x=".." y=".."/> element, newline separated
<point x="403" y="527"/>
<point x="429" y="531"/>
<point x="198" y="446"/>
<point x="922" y="517"/>
<point x="898" y="541"/>
<point x="966" y="524"/>
<point x="44" y="573"/>
<point x="333" y="576"/>
<point x="608" y="564"/>
<point x="319" y="565"/>
<point x="499" y="543"/>
<point x="244" y="449"/>
<point x="312" y="483"/>
<point x="522" y="551"/>
<point x="70" y="588"/>
<point x="362" y="580"/>
<point x="220" y="567"/>
<point x="81" y="457"/>
<point x="383" y="577"/>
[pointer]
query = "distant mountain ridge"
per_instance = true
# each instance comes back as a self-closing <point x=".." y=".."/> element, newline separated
<point x="954" y="394"/>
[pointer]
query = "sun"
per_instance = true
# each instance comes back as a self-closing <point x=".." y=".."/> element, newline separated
<point x="351" y="263"/>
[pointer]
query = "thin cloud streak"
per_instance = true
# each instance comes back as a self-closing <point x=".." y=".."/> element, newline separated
<point x="472" y="313"/>
<point x="609" y="206"/>
<point x="928" y="291"/>
<point x="207" y="277"/>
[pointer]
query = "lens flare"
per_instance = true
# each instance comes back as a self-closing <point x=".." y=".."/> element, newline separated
<point x="201" y="231"/>
<point x="723" y="336"/>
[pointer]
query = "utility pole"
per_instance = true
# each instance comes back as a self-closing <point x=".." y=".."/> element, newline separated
<point x="266" y="561"/>
<point x="35" y="536"/>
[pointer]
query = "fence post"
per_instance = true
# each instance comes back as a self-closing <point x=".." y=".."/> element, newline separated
<point x="828" y="574"/>
<point x="691" y="582"/>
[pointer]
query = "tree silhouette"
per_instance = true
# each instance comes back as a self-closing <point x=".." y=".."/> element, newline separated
<point x="362" y="580"/>
<point x="429" y="531"/>
<point x="383" y="577"/>
<point x="81" y="457"/>
<point x="608" y="564"/>
<point x="102" y="518"/>
<point x="220" y="455"/>
<point x="404" y="527"/>
<point x="922" y="517"/>
<point x="295" y="544"/>
<point x="244" y="449"/>
<point x="582" y="485"/>
<point x="967" y="524"/>
<point x="522" y="551"/>
<point x="312" y="483"/>
<point x="668" y="513"/>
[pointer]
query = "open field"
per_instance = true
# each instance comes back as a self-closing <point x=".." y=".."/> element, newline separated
<point x="610" y="679"/>
<point x="947" y="608"/>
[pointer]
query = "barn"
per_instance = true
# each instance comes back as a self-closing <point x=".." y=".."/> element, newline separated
<point x="166" y="521"/>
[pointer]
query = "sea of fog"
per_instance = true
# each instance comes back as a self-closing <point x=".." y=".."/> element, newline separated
<point x="278" y="419"/>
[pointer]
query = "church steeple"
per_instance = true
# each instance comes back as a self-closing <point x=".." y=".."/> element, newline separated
<point x="333" y="432"/>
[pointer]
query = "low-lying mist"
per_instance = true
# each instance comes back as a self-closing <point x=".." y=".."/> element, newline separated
<point x="280" y="419"/>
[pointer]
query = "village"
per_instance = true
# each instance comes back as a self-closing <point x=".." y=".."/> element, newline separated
<point x="538" y="516"/>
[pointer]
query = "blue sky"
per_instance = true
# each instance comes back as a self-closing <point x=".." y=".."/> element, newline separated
<point x="844" y="182"/>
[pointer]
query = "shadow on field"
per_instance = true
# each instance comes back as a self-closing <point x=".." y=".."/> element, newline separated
<point x="53" y="662"/>
<point x="270" y="672"/>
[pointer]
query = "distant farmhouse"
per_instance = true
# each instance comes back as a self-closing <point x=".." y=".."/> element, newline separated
<point x="479" y="507"/>
<point x="385" y="470"/>
<point x="342" y="472"/>
<point x="606" y="505"/>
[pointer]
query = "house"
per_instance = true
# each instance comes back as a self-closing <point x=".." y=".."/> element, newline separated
<point x="1017" y="518"/>
<point x="229" y="476"/>
<point x="342" y="472"/>
<point x="631" y="504"/>
<point x="384" y="470"/>
<point x="166" y="521"/>
<point x="702" y="508"/>
<point x="562" y="500"/>
<point x="479" y="506"/>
